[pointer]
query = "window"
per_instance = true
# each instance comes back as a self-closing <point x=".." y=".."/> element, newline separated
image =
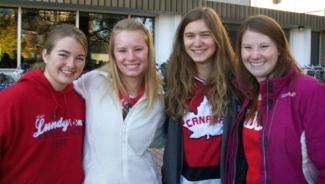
<point x="147" y="21"/>
<point x="8" y="38"/>
<point x="35" y="25"/>
<point x="315" y="48"/>
<point x="98" y="28"/>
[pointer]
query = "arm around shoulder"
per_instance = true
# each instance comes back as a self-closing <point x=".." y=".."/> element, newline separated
<point x="86" y="81"/>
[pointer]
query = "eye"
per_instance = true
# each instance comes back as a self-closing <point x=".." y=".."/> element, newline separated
<point x="206" y="34"/>
<point x="246" y="47"/>
<point x="138" y="49"/>
<point x="264" y="46"/>
<point x="63" y="55"/>
<point x="80" y="59"/>
<point x="121" y="50"/>
<point x="189" y="35"/>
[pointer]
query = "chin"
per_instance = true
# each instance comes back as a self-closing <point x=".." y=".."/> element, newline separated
<point x="67" y="81"/>
<point x="133" y="74"/>
<point x="199" y="60"/>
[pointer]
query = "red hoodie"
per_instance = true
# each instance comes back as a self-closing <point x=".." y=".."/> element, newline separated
<point x="41" y="133"/>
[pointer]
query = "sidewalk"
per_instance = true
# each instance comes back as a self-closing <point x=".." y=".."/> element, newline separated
<point x="158" y="155"/>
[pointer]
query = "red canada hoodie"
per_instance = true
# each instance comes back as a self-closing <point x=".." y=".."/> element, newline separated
<point x="41" y="133"/>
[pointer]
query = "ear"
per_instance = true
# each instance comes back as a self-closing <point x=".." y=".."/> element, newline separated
<point x="44" y="55"/>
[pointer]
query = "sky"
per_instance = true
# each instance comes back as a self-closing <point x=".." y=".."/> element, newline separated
<point x="316" y="7"/>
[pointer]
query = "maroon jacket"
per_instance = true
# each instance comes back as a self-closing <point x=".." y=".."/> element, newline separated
<point x="293" y="107"/>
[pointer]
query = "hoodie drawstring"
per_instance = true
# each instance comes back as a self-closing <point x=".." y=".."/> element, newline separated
<point x="58" y="110"/>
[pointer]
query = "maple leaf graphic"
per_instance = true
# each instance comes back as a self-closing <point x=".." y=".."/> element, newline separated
<point x="199" y="123"/>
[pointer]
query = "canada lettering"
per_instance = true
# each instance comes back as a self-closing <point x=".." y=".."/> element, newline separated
<point x="197" y="120"/>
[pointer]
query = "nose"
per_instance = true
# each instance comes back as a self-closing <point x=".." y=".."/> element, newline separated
<point x="197" y="41"/>
<point x="70" y="62"/>
<point x="131" y="56"/>
<point x="255" y="54"/>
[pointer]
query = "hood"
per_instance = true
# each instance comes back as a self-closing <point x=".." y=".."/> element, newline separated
<point x="275" y="85"/>
<point x="270" y="89"/>
<point x="267" y="85"/>
<point x="37" y="80"/>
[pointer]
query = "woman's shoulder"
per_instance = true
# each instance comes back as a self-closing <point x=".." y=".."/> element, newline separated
<point x="159" y="104"/>
<point x="306" y="83"/>
<point x="307" y="88"/>
<point x="93" y="81"/>
<point x="94" y="74"/>
<point x="93" y="77"/>
<point x="17" y="94"/>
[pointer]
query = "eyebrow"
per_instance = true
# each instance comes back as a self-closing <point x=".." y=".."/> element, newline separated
<point x="190" y="32"/>
<point x="67" y="52"/>
<point x="135" y="46"/>
<point x="205" y="32"/>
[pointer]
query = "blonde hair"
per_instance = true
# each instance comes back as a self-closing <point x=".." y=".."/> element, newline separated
<point x="151" y="77"/>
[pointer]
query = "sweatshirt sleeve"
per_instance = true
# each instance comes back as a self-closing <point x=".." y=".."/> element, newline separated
<point x="3" y="129"/>
<point x="80" y="85"/>
<point x="314" y="126"/>
<point x="5" y="122"/>
<point x="89" y="82"/>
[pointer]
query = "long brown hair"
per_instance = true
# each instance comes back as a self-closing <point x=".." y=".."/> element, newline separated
<point x="269" y="27"/>
<point x="181" y="68"/>
<point x="151" y="78"/>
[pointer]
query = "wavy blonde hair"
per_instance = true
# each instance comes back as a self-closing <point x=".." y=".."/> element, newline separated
<point x="151" y="77"/>
<point x="181" y="68"/>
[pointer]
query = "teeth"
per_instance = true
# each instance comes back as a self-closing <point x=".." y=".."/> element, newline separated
<point x="198" y="51"/>
<point x="67" y="72"/>
<point x="257" y="63"/>
<point x="132" y="66"/>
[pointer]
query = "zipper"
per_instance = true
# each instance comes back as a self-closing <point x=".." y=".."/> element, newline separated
<point x="267" y="128"/>
<point x="264" y="137"/>
<point x="236" y="140"/>
<point x="235" y="156"/>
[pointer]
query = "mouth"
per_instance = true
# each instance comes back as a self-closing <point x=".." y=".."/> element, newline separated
<point x="68" y="72"/>
<point x="256" y="64"/>
<point x="132" y="66"/>
<point x="199" y="51"/>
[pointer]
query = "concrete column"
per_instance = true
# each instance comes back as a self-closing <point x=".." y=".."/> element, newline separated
<point x="300" y="44"/>
<point x="165" y="28"/>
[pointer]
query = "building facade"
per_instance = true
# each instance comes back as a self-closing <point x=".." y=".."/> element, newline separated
<point x="23" y="24"/>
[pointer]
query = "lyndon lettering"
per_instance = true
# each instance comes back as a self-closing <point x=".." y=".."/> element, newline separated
<point x="43" y="127"/>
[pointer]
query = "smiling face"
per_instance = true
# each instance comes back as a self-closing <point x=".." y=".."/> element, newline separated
<point x="64" y="63"/>
<point x="259" y="54"/>
<point x="131" y="54"/>
<point x="199" y="42"/>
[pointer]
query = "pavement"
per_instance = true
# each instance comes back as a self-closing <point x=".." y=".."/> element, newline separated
<point x="158" y="155"/>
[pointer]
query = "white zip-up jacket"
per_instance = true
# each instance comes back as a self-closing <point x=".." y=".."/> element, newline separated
<point x="116" y="150"/>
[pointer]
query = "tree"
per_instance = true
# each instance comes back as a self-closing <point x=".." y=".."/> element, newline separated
<point x="8" y="36"/>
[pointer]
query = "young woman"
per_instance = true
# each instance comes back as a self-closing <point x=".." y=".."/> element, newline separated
<point x="125" y="110"/>
<point x="278" y="137"/>
<point x="198" y="99"/>
<point x="42" y="117"/>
